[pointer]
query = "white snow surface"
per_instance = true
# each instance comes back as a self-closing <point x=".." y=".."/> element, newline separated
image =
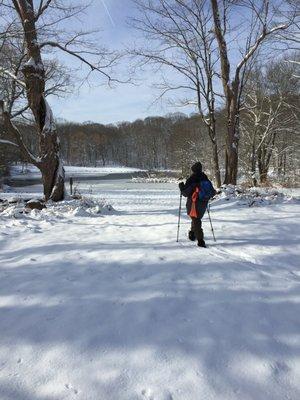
<point x="107" y="306"/>
<point x="32" y="171"/>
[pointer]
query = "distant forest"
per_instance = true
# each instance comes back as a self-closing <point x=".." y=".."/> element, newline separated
<point x="174" y="142"/>
<point x="268" y="134"/>
<point x="269" y="142"/>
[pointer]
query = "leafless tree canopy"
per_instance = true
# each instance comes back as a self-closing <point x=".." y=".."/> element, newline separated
<point x="201" y="40"/>
<point x="32" y="37"/>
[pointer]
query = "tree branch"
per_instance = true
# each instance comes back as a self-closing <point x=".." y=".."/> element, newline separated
<point x="81" y="58"/>
<point x="15" y="131"/>
<point x="13" y="76"/>
<point x="261" y="38"/>
<point x="2" y="141"/>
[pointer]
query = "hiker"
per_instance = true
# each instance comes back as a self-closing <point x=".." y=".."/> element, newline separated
<point x="198" y="189"/>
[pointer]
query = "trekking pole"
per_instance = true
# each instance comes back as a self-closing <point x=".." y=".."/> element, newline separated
<point x="179" y="215"/>
<point x="212" y="229"/>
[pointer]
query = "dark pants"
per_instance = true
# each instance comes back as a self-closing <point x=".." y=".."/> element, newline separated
<point x="196" y="227"/>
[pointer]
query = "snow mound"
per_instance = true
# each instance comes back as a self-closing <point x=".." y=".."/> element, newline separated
<point x="84" y="207"/>
<point x="255" y="196"/>
<point x="11" y="210"/>
<point x="155" y="179"/>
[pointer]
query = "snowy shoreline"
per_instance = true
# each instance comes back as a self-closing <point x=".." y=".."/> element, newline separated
<point x="32" y="176"/>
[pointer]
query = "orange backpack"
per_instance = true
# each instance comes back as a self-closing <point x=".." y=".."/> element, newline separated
<point x="195" y="197"/>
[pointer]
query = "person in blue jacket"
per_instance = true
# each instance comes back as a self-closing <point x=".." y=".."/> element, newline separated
<point x="198" y="189"/>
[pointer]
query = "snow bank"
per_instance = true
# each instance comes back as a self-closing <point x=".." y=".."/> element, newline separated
<point x="155" y="179"/>
<point x="255" y="196"/>
<point x="84" y="207"/>
<point x="158" y="176"/>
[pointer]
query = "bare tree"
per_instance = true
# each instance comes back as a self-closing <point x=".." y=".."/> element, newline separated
<point x="12" y="56"/>
<point x="37" y="26"/>
<point x="264" y="21"/>
<point x="181" y="40"/>
<point x="270" y="112"/>
<point x="289" y="41"/>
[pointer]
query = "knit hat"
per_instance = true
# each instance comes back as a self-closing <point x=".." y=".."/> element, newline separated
<point x="197" y="168"/>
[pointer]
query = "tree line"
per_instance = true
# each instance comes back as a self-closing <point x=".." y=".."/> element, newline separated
<point x="269" y="137"/>
<point x="269" y="134"/>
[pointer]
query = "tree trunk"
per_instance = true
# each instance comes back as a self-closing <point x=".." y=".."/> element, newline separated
<point x="211" y="127"/>
<point x="53" y="177"/>
<point x="263" y="175"/>
<point x="231" y="92"/>
<point x="262" y="167"/>
<point x="253" y="162"/>
<point x="232" y="140"/>
<point x="49" y="161"/>
<point x="216" y="165"/>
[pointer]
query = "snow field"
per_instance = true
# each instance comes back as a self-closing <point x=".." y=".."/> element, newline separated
<point x="110" y="307"/>
<point x="33" y="172"/>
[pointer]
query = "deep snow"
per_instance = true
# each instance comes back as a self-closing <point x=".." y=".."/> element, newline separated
<point x="110" y="307"/>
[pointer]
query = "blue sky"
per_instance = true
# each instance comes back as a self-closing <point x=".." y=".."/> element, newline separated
<point x="94" y="101"/>
<point x="125" y="102"/>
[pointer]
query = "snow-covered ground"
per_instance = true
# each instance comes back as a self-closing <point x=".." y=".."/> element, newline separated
<point x="109" y="307"/>
<point x="33" y="172"/>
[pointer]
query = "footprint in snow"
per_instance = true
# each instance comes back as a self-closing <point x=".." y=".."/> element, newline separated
<point x="70" y="387"/>
<point x="280" y="368"/>
<point x="146" y="393"/>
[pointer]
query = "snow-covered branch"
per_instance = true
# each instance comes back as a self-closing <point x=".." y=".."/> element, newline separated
<point x="8" y="142"/>
<point x="4" y="71"/>
<point x="11" y="128"/>
<point x="256" y="45"/>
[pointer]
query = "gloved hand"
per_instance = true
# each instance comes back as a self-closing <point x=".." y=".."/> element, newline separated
<point x="181" y="186"/>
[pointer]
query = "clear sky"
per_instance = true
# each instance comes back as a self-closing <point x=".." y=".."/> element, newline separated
<point x="96" y="102"/>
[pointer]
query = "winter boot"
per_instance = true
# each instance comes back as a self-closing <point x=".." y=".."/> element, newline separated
<point x="192" y="236"/>
<point x="201" y="243"/>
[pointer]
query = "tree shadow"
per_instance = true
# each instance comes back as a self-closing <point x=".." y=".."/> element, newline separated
<point x="215" y="315"/>
<point x="208" y="325"/>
